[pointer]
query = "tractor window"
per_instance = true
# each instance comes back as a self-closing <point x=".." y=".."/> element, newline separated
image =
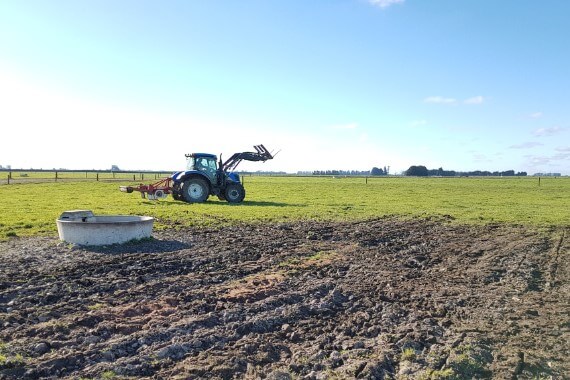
<point x="212" y="164"/>
<point x="191" y="163"/>
<point x="206" y="165"/>
<point x="202" y="163"/>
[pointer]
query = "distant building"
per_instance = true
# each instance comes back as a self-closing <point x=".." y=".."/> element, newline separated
<point x="115" y="168"/>
<point x="547" y="174"/>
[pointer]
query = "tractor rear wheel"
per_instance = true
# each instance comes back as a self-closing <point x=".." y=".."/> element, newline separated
<point x="235" y="193"/>
<point x="195" y="190"/>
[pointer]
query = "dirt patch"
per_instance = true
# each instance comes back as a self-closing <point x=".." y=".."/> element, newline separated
<point x="376" y="299"/>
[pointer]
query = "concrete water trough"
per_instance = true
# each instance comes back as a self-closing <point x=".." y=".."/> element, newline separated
<point x="84" y="228"/>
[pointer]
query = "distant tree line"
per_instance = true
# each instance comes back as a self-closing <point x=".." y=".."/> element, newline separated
<point x="422" y="171"/>
<point x="374" y="172"/>
<point x="262" y="172"/>
<point x="340" y="172"/>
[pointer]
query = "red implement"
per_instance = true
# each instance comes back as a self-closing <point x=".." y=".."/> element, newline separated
<point x="157" y="190"/>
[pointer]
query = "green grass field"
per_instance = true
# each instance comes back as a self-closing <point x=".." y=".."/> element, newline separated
<point x="31" y="209"/>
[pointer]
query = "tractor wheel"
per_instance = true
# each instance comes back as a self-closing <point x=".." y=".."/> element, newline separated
<point x="195" y="190"/>
<point x="235" y="193"/>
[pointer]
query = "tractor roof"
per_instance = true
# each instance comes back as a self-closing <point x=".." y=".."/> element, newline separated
<point x="202" y="155"/>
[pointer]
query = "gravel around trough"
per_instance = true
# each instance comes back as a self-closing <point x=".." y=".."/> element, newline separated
<point x="377" y="299"/>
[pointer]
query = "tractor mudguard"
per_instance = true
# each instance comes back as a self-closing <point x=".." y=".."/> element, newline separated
<point x="180" y="177"/>
<point x="234" y="177"/>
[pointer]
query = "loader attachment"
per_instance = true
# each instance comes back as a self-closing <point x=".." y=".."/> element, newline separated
<point x="261" y="154"/>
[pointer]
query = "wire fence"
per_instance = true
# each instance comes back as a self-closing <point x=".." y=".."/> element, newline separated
<point x="10" y="177"/>
<point x="19" y="176"/>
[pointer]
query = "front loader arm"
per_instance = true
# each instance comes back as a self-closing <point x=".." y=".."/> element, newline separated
<point x="261" y="154"/>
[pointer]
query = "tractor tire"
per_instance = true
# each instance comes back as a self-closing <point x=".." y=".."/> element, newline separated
<point x="195" y="190"/>
<point x="235" y="193"/>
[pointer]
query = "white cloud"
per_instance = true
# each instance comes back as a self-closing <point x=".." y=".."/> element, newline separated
<point x="480" y="157"/>
<point x="526" y="145"/>
<point x="439" y="100"/>
<point x="538" y="160"/>
<point x="548" y="131"/>
<point x="475" y="100"/>
<point x="535" y="115"/>
<point x="385" y="3"/>
<point x="563" y="149"/>
<point x="443" y="100"/>
<point x="562" y="156"/>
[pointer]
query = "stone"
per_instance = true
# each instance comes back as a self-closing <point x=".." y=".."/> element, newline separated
<point x="91" y="339"/>
<point x="41" y="348"/>
<point x="279" y="375"/>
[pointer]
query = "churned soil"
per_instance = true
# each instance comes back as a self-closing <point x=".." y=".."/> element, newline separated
<point x="376" y="299"/>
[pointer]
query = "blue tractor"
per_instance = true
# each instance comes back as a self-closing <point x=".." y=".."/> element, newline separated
<point x="204" y="176"/>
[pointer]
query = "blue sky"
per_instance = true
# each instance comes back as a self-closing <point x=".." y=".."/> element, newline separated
<point x="336" y="84"/>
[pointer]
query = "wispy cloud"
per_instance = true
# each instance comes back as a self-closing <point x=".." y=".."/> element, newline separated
<point x="480" y="157"/>
<point x="535" y="115"/>
<point x="385" y="3"/>
<point x="555" y="160"/>
<point x="474" y="100"/>
<point x="538" y="160"/>
<point x="526" y="145"/>
<point x="548" y="131"/>
<point x="439" y="100"/>
<point x="563" y="153"/>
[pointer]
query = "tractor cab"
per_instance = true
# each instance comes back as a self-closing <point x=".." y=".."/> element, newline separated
<point x="205" y="163"/>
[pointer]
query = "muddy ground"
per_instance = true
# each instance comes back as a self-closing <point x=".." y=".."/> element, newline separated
<point x="377" y="299"/>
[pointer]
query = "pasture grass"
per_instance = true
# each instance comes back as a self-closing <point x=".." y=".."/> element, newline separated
<point x="31" y="209"/>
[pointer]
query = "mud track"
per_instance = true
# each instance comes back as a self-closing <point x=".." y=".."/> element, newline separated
<point x="376" y="299"/>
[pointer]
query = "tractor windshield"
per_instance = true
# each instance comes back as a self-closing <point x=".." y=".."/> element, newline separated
<point x="206" y="165"/>
<point x="202" y="163"/>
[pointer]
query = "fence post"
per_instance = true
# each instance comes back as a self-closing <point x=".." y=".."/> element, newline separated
<point x="8" y="179"/>
<point x="134" y="177"/>
<point x="97" y="177"/>
<point x="55" y="176"/>
<point x="367" y="180"/>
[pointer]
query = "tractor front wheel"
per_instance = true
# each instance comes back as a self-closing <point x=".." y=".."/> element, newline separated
<point x="235" y="193"/>
<point x="195" y="190"/>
